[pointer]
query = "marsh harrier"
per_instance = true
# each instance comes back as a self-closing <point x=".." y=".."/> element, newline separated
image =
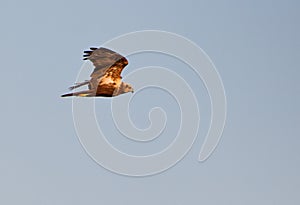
<point x="106" y="80"/>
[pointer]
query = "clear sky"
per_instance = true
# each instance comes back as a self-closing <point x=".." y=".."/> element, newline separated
<point x="253" y="44"/>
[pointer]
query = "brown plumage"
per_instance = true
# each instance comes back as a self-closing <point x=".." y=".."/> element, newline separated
<point x="106" y="78"/>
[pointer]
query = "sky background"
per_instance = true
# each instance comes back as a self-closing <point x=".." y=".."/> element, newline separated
<point x="253" y="44"/>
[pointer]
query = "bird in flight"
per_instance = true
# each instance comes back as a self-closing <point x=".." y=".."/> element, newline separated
<point x="106" y="79"/>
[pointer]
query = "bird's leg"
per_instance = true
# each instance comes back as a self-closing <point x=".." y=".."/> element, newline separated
<point x="76" y="85"/>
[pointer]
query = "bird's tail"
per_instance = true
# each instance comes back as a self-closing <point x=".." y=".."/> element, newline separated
<point x="87" y="93"/>
<point x="77" y="85"/>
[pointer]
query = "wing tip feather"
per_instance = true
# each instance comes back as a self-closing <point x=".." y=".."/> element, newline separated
<point x="88" y="52"/>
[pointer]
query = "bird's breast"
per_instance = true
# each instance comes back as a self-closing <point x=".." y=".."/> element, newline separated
<point x="111" y="81"/>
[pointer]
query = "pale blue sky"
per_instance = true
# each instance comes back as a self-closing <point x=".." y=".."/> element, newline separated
<point x="255" y="47"/>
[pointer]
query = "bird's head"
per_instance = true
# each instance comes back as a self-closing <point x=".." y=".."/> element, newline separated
<point x="127" y="88"/>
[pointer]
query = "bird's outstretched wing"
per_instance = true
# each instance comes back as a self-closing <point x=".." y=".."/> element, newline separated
<point x="106" y="77"/>
<point x="103" y="60"/>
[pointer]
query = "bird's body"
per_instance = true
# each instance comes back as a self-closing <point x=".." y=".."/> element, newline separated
<point x="106" y="80"/>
